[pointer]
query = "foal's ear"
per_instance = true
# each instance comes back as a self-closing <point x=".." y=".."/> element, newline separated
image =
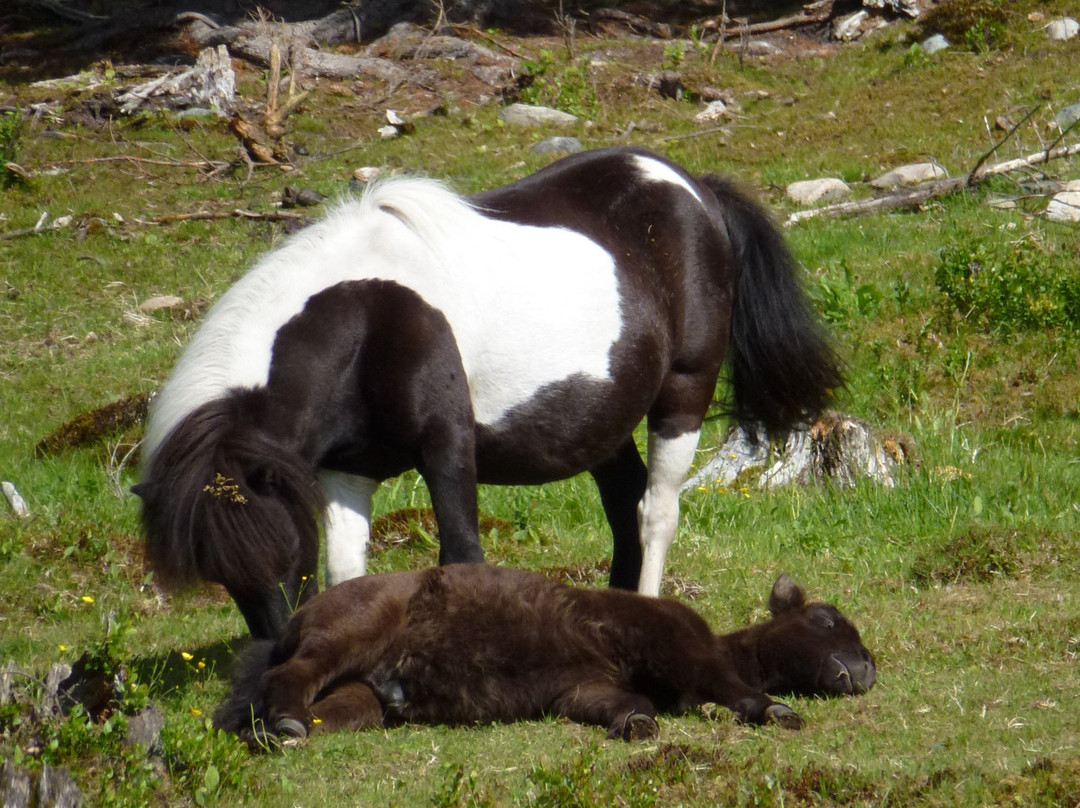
<point x="785" y="595"/>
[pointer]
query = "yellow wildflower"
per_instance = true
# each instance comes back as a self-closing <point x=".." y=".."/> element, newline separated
<point x="186" y="656"/>
<point x="87" y="599"/>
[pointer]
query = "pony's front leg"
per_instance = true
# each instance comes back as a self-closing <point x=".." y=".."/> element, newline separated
<point x="448" y="466"/>
<point x="347" y="524"/>
<point x="658" y="514"/>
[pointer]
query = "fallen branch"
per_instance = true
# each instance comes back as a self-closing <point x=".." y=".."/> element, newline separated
<point x="908" y="198"/>
<point x="811" y="14"/>
<point x="273" y="216"/>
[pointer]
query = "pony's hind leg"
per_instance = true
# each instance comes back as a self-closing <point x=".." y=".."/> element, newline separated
<point x="658" y="514"/>
<point x="625" y="714"/>
<point x="349" y="706"/>
<point x="621" y="482"/>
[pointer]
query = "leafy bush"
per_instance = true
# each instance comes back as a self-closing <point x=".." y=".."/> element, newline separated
<point x="10" y="130"/>
<point x="1013" y="288"/>
<point x="570" y="90"/>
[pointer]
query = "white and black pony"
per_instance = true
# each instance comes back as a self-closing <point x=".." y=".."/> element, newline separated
<point x="517" y="337"/>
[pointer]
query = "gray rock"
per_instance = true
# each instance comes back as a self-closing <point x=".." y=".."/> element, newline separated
<point x="825" y="189"/>
<point x="558" y="145"/>
<point x="911" y="174"/>
<point x="1064" y="207"/>
<point x="1063" y="28"/>
<point x="934" y="44"/>
<point x="528" y="115"/>
<point x="144" y="729"/>
<point x="1067" y="116"/>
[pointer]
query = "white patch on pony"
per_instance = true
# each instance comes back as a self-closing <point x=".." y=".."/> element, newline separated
<point x="347" y="524"/>
<point x="529" y="306"/>
<point x="657" y="171"/>
<point x="658" y="513"/>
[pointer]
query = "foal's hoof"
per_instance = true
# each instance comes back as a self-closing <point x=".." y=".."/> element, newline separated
<point x="784" y="716"/>
<point x="290" y="728"/>
<point x="636" y="727"/>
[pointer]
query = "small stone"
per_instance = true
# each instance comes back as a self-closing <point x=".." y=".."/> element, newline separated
<point x="715" y="110"/>
<point x="160" y="302"/>
<point x="1067" y="116"/>
<point x="934" y="44"/>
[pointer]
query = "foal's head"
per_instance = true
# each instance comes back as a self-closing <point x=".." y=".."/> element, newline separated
<point x="810" y="649"/>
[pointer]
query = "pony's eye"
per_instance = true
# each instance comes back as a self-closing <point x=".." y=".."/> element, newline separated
<point x="822" y="618"/>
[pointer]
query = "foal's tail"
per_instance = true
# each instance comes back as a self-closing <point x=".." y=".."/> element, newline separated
<point x="224" y="501"/>
<point x="245" y="707"/>
<point x="783" y="369"/>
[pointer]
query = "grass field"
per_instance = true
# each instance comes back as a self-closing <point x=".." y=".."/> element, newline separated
<point x="963" y="578"/>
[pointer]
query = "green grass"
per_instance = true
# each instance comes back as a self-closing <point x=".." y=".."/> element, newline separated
<point x="962" y="577"/>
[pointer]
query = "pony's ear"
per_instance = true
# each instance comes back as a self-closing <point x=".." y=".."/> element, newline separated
<point x="785" y="595"/>
<point x="143" y="490"/>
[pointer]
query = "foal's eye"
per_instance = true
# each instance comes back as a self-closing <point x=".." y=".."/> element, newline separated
<point x="823" y="618"/>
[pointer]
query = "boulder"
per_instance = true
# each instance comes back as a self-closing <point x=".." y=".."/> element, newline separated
<point x="1067" y="116"/>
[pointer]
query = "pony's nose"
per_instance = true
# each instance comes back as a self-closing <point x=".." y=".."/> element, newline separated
<point x="856" y="675"/>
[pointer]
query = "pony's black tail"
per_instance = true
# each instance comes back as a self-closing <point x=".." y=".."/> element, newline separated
<point x="224" y="501"/>
<point x="244" y="710"/>
<point x="782" y="369"/>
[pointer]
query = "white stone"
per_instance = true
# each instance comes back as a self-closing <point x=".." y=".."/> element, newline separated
<point x="911" y="174"/>
<point x="528" y="115"/>
<point x="1064" y="207"/>
<point x="825" y="189"/>
<point x="1063" y="28"/>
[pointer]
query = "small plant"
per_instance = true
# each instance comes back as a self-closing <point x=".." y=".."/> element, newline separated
<point x="980" y="24"/>
<point x="674" y="55"/>
<point x="841" y="300"/>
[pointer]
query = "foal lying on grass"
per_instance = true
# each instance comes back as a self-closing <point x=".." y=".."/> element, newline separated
<point x="472" y="643"/>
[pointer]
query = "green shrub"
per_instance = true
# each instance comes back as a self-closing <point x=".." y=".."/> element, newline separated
<point x="1012" y="288"/>
<point x="979" y="24"/>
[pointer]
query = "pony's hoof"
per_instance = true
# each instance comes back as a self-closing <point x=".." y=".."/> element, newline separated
<point x="291" y="728"/>
<point x="636" y="727"/>
<point x="784" y="716"/>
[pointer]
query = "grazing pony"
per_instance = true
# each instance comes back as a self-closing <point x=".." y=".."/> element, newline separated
<point x="470" y="643"/>
<point x="516" y="337"/>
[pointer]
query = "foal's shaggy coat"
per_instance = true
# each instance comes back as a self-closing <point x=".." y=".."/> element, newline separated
<point x="472" y="643"/>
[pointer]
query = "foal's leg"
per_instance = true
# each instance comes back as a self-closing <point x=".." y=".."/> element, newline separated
<point x="349" y="706"/>
<point x="347" y="524"/>
<point x="621" y="482"/>
<point x="658" y="514"/>
<point x="627" y="715"/>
